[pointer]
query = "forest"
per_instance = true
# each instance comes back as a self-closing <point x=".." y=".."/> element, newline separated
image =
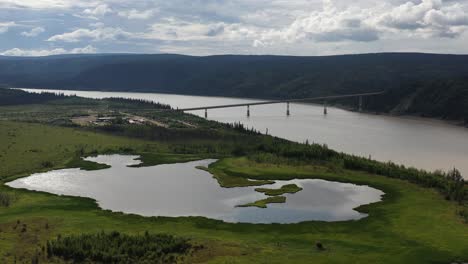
<point x="431" y="85"/>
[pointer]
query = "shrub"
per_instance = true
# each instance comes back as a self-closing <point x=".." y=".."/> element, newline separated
<point x="47" y="164"/>
<point x="5" y="199"/>
<point x="115" y="247"/>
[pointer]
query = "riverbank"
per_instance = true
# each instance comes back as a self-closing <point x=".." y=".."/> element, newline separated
<point x="458" y="123"/>
<point x="409" y="141"/>
<point x="335" y="105"/>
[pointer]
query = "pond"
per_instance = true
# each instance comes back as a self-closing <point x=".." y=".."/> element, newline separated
<point x="183" y="190"/>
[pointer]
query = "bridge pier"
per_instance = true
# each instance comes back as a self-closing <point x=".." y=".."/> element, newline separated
<point x="360" y="104"/>
<point x="288" y="113"/>
<point x="325" y="111"/>
<point x="206" y="113"/>
<point x="248" y="110"/>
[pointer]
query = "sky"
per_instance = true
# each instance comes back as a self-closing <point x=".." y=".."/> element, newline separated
<point x="209" y="27"/>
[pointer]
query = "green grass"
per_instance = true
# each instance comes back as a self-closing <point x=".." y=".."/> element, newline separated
<point x="227" y="181"/>
<point x="27" y="148"/>
<point x="152" y="159"/>
<point x="263" y="203"/>
<point x="79" y="162"/>
<point x="288" y="188"/>
<point x="411" y="225"/>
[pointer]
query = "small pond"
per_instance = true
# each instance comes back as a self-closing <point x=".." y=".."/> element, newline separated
<point x="183" y="190"/>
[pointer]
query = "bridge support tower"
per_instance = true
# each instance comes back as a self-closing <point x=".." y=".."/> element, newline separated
<point x="248" y="110"/>
<point x="360" y="103"/>
<point x="206" y="113"/>
<point x="288" y="113"/>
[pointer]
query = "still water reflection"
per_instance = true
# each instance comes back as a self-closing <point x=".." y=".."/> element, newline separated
<point x="182" y="190"/>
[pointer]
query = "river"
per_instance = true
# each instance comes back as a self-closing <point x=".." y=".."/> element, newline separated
<point x="422" y="143"/>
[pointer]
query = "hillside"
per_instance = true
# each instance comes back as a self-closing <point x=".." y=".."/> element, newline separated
<point x="422" y="84"/>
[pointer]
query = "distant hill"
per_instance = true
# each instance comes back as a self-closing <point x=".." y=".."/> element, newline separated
<point x="422" y="84"/>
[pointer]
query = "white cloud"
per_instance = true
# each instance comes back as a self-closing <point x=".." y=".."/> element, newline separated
<point x="427" y="18"/>
<point x="46" y="52"/>
<point x="5" y="26"/>
<point x="454" y="16"/>
<point x="85" y="50"/>
<point x="97" y="34"/>
<point x="327" y="25"/>
<point x="174" y="29"/>
<point x="406" y="16"/>
<point x="46" y="4"/>
<point x="99" y="10"/>
<point x="33" y="32"/>
<point x="97" y="25"/>
<point x="135" y="14"/>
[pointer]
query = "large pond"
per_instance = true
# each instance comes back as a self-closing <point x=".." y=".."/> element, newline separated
<point x="423" y="143"/>
<point x="183" y="190"/>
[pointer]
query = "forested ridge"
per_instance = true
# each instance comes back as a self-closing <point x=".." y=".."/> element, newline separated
<point x="429" y="85"/>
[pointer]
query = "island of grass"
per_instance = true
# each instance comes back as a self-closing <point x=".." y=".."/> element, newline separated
<point x="228" y="181"/>
<point x="288" y="188"/>
<point x="263" y="203"/>
<point x="83" y="164"/>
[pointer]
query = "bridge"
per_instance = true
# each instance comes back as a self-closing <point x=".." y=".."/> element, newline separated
<point x="287" y="101"/>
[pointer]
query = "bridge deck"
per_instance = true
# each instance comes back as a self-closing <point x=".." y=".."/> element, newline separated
<point x="280" y="101"/>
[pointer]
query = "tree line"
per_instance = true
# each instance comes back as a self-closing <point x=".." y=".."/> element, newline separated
<point x="19" y="97"/>
<point x="115" y="247"/>
<point x="136" y="103"/>
<point x="451" y="184"/>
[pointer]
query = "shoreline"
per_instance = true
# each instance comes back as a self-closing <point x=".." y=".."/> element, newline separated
<point x="455" y="123"/>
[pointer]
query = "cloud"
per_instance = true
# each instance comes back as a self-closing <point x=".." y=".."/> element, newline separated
<point x="97" y="25"/>
<point x="45" y="4"/>
<point x="46" y="52"/>
<point x="427" y="18"/>
<point x="33" y="32"/>
<point x="408" y="16"/>
<point x="97" y="34"/>
<point x="182" y="30"/>
<point x="215" y="31"/>
<point x="452" y="17"/>
<point x="327" y="25"/>
<point x="135" y="14"/>
<point x="174" y="29"/>
<point x="99" y="10"/>
<point x="85" y="50"/>
<point x="5" y="26"/>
